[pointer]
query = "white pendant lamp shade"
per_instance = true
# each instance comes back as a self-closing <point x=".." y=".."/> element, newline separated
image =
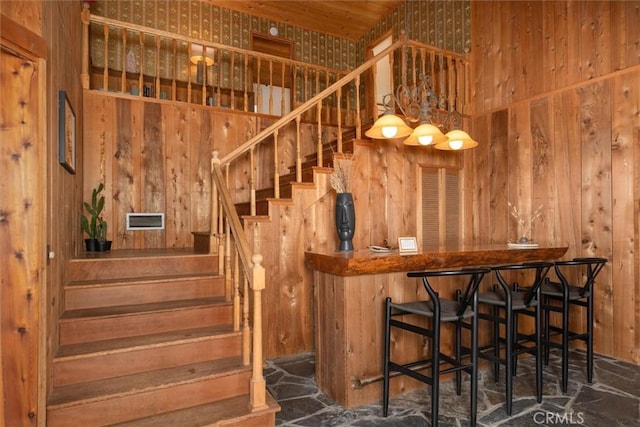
<point x="457" y="140"/>
<point x="389" y="126"/>
<point x="426" y="134"/>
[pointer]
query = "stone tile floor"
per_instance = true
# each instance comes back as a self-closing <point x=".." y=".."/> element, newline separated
<point x="612" y="400"/>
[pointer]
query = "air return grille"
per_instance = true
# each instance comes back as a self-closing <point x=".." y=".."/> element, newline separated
<point x="145" y="221"/>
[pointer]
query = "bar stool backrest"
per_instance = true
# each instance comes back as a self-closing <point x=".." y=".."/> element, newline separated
<point x="593" y="267"/>
<point x="466" y="299"/>
<point x="541" y="269"/>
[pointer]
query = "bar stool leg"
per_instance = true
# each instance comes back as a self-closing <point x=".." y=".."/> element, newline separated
<point x="435" y="370"/>
<point x="496" y="342"/>
<point x="509" y="357"/>
<point x="547" y="338"/>
<point x="590" y="339"/>
<point x="474" y="366"/>
<point x="538" y="328"/>
<point x="565" y="344"/>
<point x="515" y="341"/>
<point x="387" y="343"/>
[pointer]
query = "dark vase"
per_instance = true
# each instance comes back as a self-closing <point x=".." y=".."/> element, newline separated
<point x="345" y="221"/>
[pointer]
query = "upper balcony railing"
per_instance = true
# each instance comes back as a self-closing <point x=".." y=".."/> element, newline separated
<point x="141" y="61"/>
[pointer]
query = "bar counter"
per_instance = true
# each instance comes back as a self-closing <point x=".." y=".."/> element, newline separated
<point x="350" y="289"/>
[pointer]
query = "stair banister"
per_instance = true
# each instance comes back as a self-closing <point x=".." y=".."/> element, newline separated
<point x="254" y="273"/>
<point x="311" y="103"/>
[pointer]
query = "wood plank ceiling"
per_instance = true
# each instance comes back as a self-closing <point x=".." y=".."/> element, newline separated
<point x="346" y="19"/>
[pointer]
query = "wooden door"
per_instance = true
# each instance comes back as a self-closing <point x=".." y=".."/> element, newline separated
<point x="22" y="250"/>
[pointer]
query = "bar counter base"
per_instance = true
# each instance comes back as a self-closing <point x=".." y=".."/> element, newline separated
<point x="349" y="311"/>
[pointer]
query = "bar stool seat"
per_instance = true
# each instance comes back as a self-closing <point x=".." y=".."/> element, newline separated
<point x="575" y="288"/>
<point x="460" y="312"/>
<point x="507" y="300"/>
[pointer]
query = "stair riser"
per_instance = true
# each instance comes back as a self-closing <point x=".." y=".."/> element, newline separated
<point x="147" y="403"/>
<point x="97" y="367"/>
<point x="118" y="268"/>
<point x="73" y="331"/>
<point x="111" y="295"/>
<point x="255" y="421"/>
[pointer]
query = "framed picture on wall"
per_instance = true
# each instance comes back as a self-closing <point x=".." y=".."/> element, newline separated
<point x="66" y="133"/>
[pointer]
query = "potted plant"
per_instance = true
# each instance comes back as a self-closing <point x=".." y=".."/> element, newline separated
<point x="95" y="226"/>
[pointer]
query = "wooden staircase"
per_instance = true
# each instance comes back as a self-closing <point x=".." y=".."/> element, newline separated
<point x="263" y="196"/>
<point x="146" y="339"/>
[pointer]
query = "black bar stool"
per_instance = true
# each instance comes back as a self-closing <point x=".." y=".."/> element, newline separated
<point x="461" y="312"/>
<point x="508" y="300"/>
<point x="577" y="291"/>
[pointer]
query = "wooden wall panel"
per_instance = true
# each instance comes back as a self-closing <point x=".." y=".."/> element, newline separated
<point x="571" y="143"/>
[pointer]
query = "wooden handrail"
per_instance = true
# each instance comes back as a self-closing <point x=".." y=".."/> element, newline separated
<point x="311" y="103"/>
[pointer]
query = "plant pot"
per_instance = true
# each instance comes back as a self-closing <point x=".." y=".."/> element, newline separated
<point x="95" y="245"/>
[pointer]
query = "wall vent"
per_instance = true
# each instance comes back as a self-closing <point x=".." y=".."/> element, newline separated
<point x="145" y="221"/>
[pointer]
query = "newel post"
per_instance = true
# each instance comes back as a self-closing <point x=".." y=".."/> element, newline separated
<point x="258" y="385"/>
<point x="85" y="16"/>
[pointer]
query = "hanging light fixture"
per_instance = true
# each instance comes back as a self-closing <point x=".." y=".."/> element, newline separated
<point x="420" y="103"/>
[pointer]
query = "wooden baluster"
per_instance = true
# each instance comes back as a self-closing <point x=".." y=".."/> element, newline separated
<point x="228" y="279"/>
<point x="414" y="52"/>
<point x="282" y="97"/>
<point x="123" y="74"/>
<point x="232" y="80"/>
<point x="270" y="87"/>
<point x="236" y="290"/>
<point x="442" y="81"/>
<point x="85" y="15"/>
<point x="246" y="327"/>
<point x="276" y="174"/>
<point x="203" y="88"/>
<point x="158" y="45"/>
<point x="423" y="62"/>
<point x="258" y="386"/>
<point x="140" y="76"/>
<point x="246" y="82"/>
<point x="339" y="100"/>
<point x="189" y="55"/>
<point x="317" y="91"/>
<point x="432" y="63"/>
<point x="252" y="180"/>
<point x="327" y="111"/>
<point x="305" y="95"/>
<point x="219" y="78"/>
<point x="319" y="143"/>
<point x="105" y="71"/>
<point x="174" y="86"/>
<point x="221" y="218"/>
<point x="452" y="84"/>
<point x="213" y="220"/>
<point x="358" y="116"/>
<point x="298" y="154"/>
<point x="294" y="87"/>
<point x="259" y="92"/>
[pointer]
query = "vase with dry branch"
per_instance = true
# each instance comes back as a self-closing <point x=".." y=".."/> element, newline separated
<point x="525" y="222"/>
<point x="340" y="181"/>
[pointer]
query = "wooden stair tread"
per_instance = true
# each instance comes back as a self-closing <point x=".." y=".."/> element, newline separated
<point x="141" y="280"/>
<point x="72" y="351"/>
<point x="78" y="394"/>
<point x="234" y="409"/>
<point x="128" y="254"/>
<point x="141" y="308"/>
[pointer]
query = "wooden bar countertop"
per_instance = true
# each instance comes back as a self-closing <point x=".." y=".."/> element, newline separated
<point x="365" y="261"/>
